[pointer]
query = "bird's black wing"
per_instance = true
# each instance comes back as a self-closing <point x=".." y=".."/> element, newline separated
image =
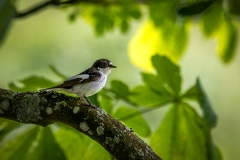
<point x="87" y="76"/>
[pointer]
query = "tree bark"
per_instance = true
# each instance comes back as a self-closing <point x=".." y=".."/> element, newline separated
<point x="44" y="108"/>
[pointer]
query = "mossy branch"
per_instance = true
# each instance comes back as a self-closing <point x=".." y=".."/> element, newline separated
<point x="44" y="108"/>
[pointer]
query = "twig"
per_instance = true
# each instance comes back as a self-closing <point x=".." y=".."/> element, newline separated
<point x="43" y="5"/>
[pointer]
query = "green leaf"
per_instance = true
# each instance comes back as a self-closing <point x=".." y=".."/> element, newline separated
<point x="93" y="99"/>
<point x="211" y="19"/>
<point x="6" y="126"/>
<point x="168" y="73"/>
<point x="72" y="142"/>
<point x="208" y="113"/>
<point x="120" y="89"/>
<point x="192" y="93"/>
<point x="102" y="18"/>
<point x="143" y="129"/>
<point x="47" y="148"/>
<point x="31" y="83"/>
<point x="124" y="26"/>
<point x="161" y="12"/>
<point x="78" y="146"/>
<point x="227" y="40"/>
<point x="6" y="15"/>
<point x="31" y="143"/>
<point x="135" y="13"/>
<point x="19" y="147"/>
<point x="181" y="135"/>
<point x="144" y="96"/>
<point x="169" y="39"/>
<point x="154" y="82"/>
<point x="106" y="103"/>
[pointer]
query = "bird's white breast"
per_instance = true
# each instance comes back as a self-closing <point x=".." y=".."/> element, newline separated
<point x="89" y="89"/>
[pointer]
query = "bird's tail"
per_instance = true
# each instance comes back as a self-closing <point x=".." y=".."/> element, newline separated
<point x="50" y="89"/>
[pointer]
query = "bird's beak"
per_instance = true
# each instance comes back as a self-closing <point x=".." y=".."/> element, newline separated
<point x="112" y="66"/>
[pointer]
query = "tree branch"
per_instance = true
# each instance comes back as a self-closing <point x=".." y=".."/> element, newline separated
<point x="44" y="108"/>
<point x="43" y="5"/>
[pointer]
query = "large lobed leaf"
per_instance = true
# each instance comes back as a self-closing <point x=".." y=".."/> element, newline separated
<point x="78" y="146"/>
<point x="182" y="135"/>
<point x="168" y="73"/>
<point x="159" y="89"/>
<point x="32" y="144"/>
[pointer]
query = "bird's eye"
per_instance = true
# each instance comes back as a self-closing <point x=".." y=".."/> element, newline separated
<point x="104" y="64"/>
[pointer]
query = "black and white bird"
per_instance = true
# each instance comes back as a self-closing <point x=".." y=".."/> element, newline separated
<point x="88" y="82"/>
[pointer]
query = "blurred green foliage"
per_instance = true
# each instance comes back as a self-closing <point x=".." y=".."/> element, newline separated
<point x="170" y="20"/>
<point x="6" y="17"/>
<point x="184" y="132"/>
<point x="181" y="132"/>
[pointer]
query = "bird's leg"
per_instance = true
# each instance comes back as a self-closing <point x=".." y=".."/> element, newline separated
<point x="89" y="103"/>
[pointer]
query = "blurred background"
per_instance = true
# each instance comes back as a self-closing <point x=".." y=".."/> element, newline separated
<point x="40" y="40"/>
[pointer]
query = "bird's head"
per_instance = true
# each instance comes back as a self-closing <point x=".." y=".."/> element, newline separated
<point x="103" y="65"/>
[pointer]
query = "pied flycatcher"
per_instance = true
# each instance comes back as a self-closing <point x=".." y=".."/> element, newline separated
<point x="88" y="82"/>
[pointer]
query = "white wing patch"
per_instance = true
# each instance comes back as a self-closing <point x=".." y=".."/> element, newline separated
<point x="81" y="76"/>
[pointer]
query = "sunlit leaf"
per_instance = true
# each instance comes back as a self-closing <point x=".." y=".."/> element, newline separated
<point x="168" y="73"/>
<point x="169" y="39"/>
<point x="6" y="15"/>
<point x="180" y="136"/>
<point x="133" y="122"/>
<point x="211" y="19"/>
<point x="31" y="83"/>
<point x="227" y="40"/>
<point x="78" y="146"/>
<point x="208" y="113"/>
